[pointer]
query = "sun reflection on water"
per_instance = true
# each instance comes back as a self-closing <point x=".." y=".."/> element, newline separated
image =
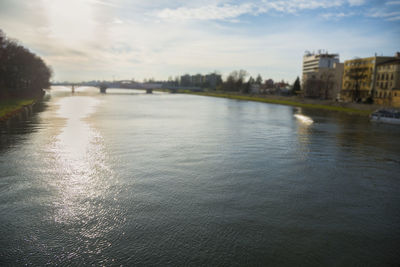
<point x="83" y="175"/>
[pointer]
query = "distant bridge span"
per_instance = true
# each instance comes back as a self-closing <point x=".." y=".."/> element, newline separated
<point x="103" y="88"/>
<point x="148" y="87"/>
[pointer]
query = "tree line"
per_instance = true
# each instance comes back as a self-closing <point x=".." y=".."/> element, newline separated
<point x="237" y="82"/>
<point x="22" y="73"/>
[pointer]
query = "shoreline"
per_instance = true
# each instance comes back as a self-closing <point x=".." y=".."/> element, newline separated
<point x="14" y="107"/>
<point x="350" y="108"/>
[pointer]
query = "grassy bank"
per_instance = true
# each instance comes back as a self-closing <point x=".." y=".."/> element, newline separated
<point x="292" y="101"/>
<point x="11" y="106"/>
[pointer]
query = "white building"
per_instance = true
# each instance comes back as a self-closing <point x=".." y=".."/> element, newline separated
<point x="322" y="75"/>
<point x="313" y="62"/>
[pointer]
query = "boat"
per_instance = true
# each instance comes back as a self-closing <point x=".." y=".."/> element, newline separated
<point x="391" y="116"/>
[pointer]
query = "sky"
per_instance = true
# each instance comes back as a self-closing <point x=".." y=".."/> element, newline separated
<point x="137" y="39"/>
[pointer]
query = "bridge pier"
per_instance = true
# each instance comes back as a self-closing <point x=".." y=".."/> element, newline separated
<point x="149" y="91"/>
<point x="103" y="89"/>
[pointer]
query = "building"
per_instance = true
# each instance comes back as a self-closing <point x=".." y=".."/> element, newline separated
<point x="322" y="75"/>
<point x="387" y="83"/>
<point x="359" y="78"/>
<point x="186" y="80"/>
<point x="197" y="80"/>
<point x="312" y="62"/>
<point x="212" y="80"/>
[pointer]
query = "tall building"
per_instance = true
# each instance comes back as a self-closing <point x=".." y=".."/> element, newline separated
<point x="197" y="80"/>
<point x="212" y="80"/>
<point x="322" y="75"/>
<point x="312" y="62"/>
<point x="206" y="81"/>
<point x="359" y="78"/>
<point x="186" y="80"/>
<point x="387" y="83"/>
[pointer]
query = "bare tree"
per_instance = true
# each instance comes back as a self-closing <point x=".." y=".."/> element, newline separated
<point x="22" y="73"/>
<point x="356" y="75"/>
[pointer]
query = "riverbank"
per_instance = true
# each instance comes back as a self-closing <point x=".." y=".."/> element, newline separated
<point x="351" y="108"/>
<point x="11" y="107"/>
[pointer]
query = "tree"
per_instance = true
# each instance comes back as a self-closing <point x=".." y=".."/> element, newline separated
<point x="296" y="85"/>
<point x="320" y="86"/>
<point x="259" y="79"/>
<point x="312" y="87"/>
<point x="247" y="87"/>
<point x="357" y="74"/>
<point x="22" y="73"/>
<point x="235" y="81"/>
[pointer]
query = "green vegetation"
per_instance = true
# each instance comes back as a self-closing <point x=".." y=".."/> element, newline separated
<point x="23" y="76"/>
<point x="296" y="86"/>
<point x="12" y="105"/>
<point x="285" y="102"/>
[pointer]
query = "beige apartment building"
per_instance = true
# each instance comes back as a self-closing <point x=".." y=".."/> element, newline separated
<point x="359" y="78"/>
<point x="387" y="83"/>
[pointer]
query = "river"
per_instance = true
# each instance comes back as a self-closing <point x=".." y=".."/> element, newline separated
<point x="128" y="178"/>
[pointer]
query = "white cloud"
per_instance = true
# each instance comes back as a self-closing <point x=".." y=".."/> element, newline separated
<point x="393" y="3"/>
<point x="228" y="11"/>
<point x="206" y="12"/>
<point x="337" y="15"/>
<point x="356" y="2"/>
<point x="387" y="15"/>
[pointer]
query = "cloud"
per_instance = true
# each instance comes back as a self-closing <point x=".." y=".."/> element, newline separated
<point x="211" y="12"/>
<point x="393" y="3"/>
<point x="387" y="15"/>
<point x="356" y="2"/>
<point x="229" y="11"/>
<point x="293" y="6"/>
<point x="337" y="15"/>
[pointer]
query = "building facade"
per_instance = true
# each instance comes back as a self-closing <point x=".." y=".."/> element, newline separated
<point x="312" y="62"/>
<point x="210" y="81"/>
<point x="359" y="78"/>
<point x="387" y="83"/>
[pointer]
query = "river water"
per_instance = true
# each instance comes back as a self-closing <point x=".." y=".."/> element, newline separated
<point x="129" y="179"/>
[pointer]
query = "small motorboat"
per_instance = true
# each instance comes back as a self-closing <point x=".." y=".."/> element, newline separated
<point x="391" y="116"/>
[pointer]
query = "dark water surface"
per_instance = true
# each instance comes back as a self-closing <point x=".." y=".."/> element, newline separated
<point x="133" y="179"/>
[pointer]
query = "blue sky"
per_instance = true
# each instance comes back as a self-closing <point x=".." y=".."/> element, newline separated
<point x="121" y="39"/>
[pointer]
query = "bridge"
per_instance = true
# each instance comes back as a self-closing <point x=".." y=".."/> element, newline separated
<point x="148" y="87"/>
<point x="149" y="90"/>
